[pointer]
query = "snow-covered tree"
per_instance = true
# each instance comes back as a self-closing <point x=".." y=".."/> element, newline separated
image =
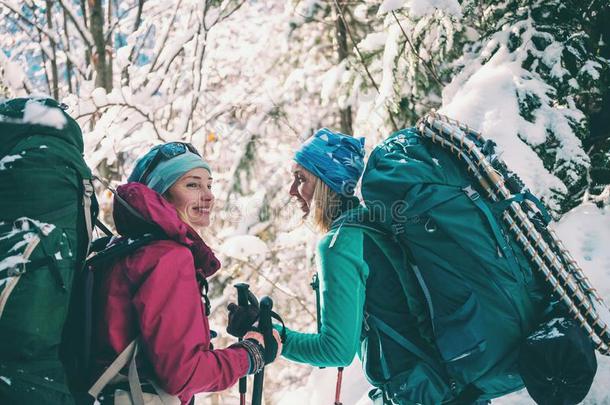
<point x="246" y="81"/>
<point x="535" y="73"/>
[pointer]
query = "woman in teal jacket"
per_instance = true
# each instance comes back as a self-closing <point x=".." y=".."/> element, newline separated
<point x="325" y="173"/>
<point x="357" y="269"/>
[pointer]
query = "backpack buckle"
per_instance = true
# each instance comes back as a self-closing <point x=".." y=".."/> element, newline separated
<point x="398" y="228"/>
<point x="365" y="321"/>
<point x="471" y="193"/>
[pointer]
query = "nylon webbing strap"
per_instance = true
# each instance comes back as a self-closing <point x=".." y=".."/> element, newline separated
<point x="425" y="290"/>
<point x="404" y="342"/>
<point x="128" y="355"/>
<point x="503" y="205"/>
<point x="409" y="261"/>
<point x="87" y="194"/>
<point x="493" y="224"/>
<point x="113" y="370"/>
<point x="135" y="388"/>
<point x="166" y="398"/>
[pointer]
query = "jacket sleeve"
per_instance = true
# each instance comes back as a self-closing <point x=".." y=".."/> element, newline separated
<point x="343" y="276"/>
<point x="175" y="331"/>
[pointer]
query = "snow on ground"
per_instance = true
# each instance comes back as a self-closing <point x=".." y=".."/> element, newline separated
<point x="320" y="388"/>
<point x="586" y="233"/>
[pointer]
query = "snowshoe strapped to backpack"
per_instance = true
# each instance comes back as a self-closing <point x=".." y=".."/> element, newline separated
<point x="47" y="210"/>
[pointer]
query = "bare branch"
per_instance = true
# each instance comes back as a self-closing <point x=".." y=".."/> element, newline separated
<point x="84" y="33"/>
<point x="31" y="23"/>
<point x="366" y="69"/>
<point x="165" y="37"/>
<point x="129" y="106"/>
<point x="116" y="24"/>
<point x="426" y="63"/>
<point x="222" y="17"/>
<point x="136" y="25"/>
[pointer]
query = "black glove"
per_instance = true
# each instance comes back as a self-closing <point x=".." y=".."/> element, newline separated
<point x="241" y="319"/>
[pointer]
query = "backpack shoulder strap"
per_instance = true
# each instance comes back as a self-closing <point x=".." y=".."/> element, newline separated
<point x="118" y="247"/>
<point x="128" y="355"/>
<point x="376" y="232"/>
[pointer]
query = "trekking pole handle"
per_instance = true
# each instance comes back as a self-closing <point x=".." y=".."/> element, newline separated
<point x="242" y="300"/>
<point x="242" y="294"/>
<point x="265" y="327"/>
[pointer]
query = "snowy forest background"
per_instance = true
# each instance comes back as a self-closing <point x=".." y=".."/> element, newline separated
<point x="246" y="80"/>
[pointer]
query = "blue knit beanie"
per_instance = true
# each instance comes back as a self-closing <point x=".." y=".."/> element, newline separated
<point x="167" y="172"/>
<point x="335" y="158"/>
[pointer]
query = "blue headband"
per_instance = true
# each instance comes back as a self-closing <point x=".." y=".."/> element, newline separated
<point x="337" y="159"/>
<point x="168" y="171"/>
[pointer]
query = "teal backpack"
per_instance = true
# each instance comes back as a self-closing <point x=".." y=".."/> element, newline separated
<point x="47" y="211"/>
<point x="467" y="285"/>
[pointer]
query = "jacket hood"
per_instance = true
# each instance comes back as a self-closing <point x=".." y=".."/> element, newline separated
<point x="158" y="214"/>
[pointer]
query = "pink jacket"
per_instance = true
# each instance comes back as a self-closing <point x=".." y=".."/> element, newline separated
<point x="153" y="293"/>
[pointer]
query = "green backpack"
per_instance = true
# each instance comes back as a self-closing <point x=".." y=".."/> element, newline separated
<point x="47" y="210"/>
<point x="469" y="286"/>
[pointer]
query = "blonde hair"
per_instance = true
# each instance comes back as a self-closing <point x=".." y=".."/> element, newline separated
<point x="326" y="206"/>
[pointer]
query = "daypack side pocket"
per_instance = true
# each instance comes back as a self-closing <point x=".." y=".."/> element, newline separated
<point x="37" y="269"/>
<point x="460" y="334"/>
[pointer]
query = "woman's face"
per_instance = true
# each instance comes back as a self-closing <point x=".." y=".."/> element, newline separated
<point x="192" y="196"/>
<point x="302" y="187"/>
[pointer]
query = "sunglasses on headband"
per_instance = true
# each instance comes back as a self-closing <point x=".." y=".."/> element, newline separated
<point x="164" y="153"/>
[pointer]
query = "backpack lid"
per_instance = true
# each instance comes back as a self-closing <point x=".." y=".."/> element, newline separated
<point x="37" y="116"/>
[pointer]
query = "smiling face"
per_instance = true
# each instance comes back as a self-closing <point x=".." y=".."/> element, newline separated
<point x="192" y="196"/>
<point x="302" y="187"/>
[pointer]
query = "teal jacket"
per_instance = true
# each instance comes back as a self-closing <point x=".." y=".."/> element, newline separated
<point x="343" y="273"/>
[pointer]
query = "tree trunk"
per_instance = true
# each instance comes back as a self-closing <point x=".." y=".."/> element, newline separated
<point x="54" y="78"/>
<point x="100" y="63"/>
<point x="68" y="61"/>
<point x="345" y="114"/>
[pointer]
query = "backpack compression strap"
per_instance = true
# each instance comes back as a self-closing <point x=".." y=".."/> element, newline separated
<point x="87" y="196"/>
<point x="128" y="355"/>
<point x="384" y="328"/>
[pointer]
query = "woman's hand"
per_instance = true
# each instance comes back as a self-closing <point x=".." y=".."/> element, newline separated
<point x="241" y="319"/>
<point x="261" y="340"/>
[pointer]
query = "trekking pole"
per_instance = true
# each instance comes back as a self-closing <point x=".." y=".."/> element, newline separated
<point x="338" y="386"/>
<point x="264" y="326"/>
<point x="315" y="285"/>
<point x="242" y="301"/>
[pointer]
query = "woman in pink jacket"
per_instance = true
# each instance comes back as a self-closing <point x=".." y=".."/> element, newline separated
<point x="154" y="295"/>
